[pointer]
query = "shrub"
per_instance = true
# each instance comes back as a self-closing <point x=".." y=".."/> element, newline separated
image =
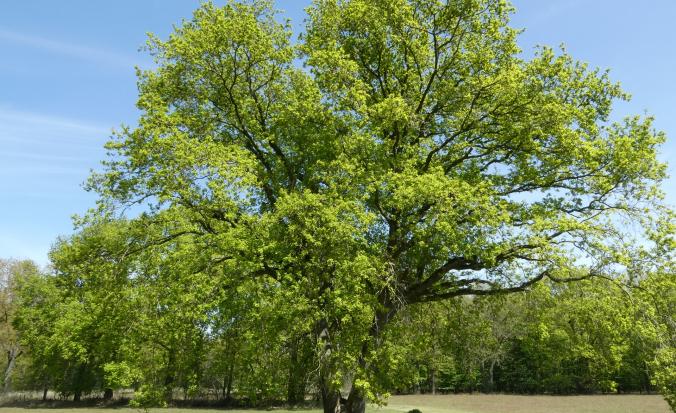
<point x="148" y="396"/>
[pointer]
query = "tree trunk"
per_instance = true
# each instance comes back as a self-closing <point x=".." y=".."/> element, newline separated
<point x="330" y="397"/>
<point x="300" y="356"/>
<point x="225" y="384"/>
<point x="356" y="402"/>
<point x="169" y="387"/>
<point x="416" y="386"/>
<point x="108" y="394"/>
<point x="169" y="378"/>
<point x="12" y="355"/>
<point x="44" y="394"/>
<point x="228" y="381"/>
<point x="292" y="396"/>
<point x="223" y="387"/>
<point x="77" y="396"/>
<point x="491" y="377"/>
<point x="433" y="381"/>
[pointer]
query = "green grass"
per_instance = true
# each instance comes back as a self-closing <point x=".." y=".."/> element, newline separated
<point x="461" y="403"/>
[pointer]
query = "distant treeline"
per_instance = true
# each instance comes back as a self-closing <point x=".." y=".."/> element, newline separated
<point x="173" y="336"/>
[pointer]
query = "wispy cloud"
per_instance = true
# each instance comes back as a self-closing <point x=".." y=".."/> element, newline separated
<point x="47" y="170"/>
<point x="30" y="155"/>
<point x="82" y="52"/>
<point x="11" y="116"/>
<point x="38" y="145"/>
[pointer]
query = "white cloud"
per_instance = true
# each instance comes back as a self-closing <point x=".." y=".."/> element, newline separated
<point x="44" y="171"/>
<point x="30" y="155"/>
<point x="77" y="51"/>
<point x="13" y="120"/>
<point x="35" y="146"/>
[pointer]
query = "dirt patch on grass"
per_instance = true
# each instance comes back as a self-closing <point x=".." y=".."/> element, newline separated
<point x="498" y="403"/>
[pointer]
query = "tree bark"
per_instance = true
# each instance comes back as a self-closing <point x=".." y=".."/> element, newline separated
<point x="12" y="355"/>
<point x="227" y="382"/>
<point x="169" y="378"/>
<point x="293" y="395"/>
<point x="169" y="387"/>
<point x="44" y="394"/>
<point x="433" y="381"/>
<point x="108" y="394"/>
<point x="491" y="377"/>
<point x="330" y="397"/>
<point x="77" y="396"/>
<point x="356" y="402"/>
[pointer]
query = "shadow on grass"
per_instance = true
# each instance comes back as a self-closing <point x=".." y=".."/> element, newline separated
<point x="123" y="403"/>
<point x="66" y="404"/>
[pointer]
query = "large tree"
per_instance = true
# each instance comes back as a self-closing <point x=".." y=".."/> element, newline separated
<point x="402" y="151"/>
<point x="12" y="273"/>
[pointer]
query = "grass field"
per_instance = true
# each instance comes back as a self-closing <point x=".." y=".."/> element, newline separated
<point x="498" y="403"/>
<point x="475" y="403"/>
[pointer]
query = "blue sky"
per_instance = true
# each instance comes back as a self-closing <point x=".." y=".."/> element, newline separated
<point x="67" y="78"/>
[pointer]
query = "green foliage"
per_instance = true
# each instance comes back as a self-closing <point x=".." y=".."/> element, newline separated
<point x="586" y="337"/>
<point x="665" y="375"/>
<point x="12" y="274"/>
<point x="574" y="342"/>
<point x="119" y="375"/>
<point x="657" y="324"/>
<point x="414" y="158"/>
<point x="148" y="396"/>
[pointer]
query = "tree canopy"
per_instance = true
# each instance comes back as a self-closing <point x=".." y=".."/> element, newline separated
<point x="401" y="152"/>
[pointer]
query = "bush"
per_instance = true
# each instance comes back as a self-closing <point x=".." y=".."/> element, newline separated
<point x="148" y="396"/>
<point x="664" y="375"/>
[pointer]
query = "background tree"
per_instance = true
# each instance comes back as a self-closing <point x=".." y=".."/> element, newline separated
<point x="12" y="274"/>
<point x="656" y="306"/>
<point x="73" y="321"/>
